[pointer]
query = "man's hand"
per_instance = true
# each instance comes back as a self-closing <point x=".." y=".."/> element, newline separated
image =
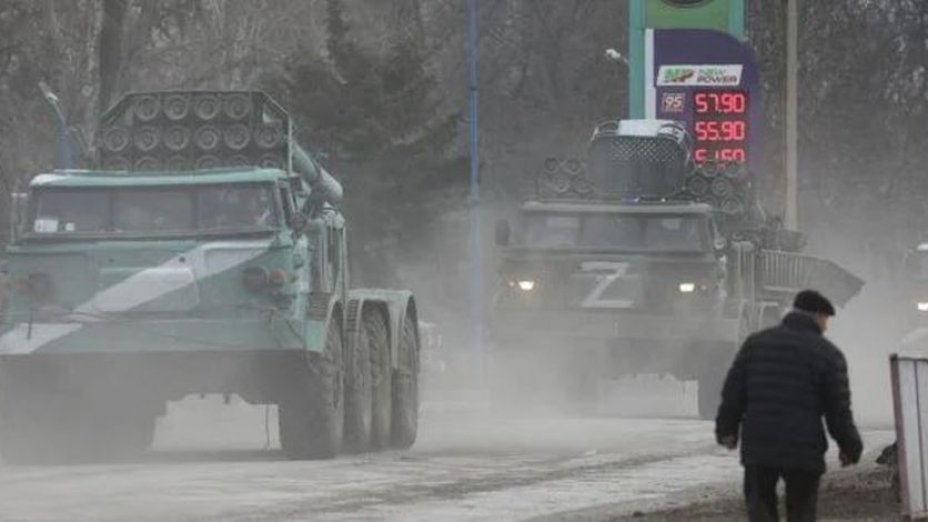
<point x="729" y="441"/>
<point x="846" y="460"/>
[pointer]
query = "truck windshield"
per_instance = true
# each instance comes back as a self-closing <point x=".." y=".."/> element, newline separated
<point x="619" y="232"/>
<point x="166" y="210"/>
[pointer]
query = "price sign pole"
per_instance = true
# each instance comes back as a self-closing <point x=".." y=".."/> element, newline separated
<point x="792" y="114"/>
<point x="726" y="16"/>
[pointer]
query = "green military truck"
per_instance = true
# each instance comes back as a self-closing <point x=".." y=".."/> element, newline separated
<point x="638" y="261"/>
<point x="204" y="254"/>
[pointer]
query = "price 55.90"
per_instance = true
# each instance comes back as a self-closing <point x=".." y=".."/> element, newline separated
<point x="729" y="130"/>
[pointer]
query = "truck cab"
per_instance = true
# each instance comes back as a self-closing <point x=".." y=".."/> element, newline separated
<point x="656" y="258"/>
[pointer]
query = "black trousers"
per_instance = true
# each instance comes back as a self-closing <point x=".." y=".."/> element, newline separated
<point x="760" y="492"/>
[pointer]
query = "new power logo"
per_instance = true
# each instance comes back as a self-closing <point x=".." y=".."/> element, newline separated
<point x="699" y="75"/>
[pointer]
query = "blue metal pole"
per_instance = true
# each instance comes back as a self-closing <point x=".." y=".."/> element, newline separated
<point x="65" y="160"/>
<point x="474" y="199"/>
<point x="636" y="22"/>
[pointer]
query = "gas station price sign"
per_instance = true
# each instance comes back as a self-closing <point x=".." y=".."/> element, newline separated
<point x="708" y="80"/>
<point x="720" y="124"/>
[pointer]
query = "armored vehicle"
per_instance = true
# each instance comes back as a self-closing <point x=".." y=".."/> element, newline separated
<point x="205" y="253"/>
<point x="636" y="260"/>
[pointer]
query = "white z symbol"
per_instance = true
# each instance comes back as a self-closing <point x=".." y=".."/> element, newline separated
<point x="603" y="281"/>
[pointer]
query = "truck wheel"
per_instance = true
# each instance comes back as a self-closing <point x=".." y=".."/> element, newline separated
<point x="131" y="435"/>
<point x="73" y="432"/>
<point x="406" y="389"/>
<point x="375" y="329"/>
<point x="770" y="317"/>
<point x="95" y="434"/>
<point x="25" y="432"/>
<point x="709" y="391"/>
<point x="312" y="416"/>
<point x="358" y="395"/>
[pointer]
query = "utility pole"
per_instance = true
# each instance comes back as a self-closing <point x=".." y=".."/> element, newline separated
<point x="65" y="159"/>
<point x="792" y="113"/>
<point x="474" y="199"/>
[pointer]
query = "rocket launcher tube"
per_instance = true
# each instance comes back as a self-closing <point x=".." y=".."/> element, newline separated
<point x="322" y="184"/>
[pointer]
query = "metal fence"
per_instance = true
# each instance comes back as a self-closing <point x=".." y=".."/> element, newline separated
<point x="788" y="272"/>
<point x="910" y="403"/>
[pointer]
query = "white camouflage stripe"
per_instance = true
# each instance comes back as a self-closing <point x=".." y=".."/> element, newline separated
<point x="147" y="285"/>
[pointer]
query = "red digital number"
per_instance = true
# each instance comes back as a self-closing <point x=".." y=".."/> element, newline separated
<point x="733" y="130"/>
<point x="702" y="105"/>
<point x="733" y="102"/>
<point x="711" y="131"/>
<point x="730" y="155"/>
<point x="725" y="103"/>
<point x="720" y="125"/>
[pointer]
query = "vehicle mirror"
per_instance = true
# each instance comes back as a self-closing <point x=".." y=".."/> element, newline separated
<point x="503" y="232"/>
<point x="297" y="222"/>
<point x="19" y="202"/>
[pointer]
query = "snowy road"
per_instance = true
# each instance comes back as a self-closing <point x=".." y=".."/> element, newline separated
<point x="210" y="464"/>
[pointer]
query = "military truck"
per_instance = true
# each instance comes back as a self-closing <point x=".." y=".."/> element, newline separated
<point x="637" y="260"/>
<point x="204" y="253"/>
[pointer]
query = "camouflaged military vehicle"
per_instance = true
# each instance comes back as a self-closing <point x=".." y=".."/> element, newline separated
<point x="205" y="254"/>
<point x="638" y="261"/>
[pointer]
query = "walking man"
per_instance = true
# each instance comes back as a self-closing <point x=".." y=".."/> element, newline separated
<point x="782" y="382"/>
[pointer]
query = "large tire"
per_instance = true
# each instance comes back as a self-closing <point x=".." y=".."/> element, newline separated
<point x="374" y="326"/>
<point x="712" y="378"/>
<point x="142" y="434"/>
<point x="312" y="415"/>
<point x="27" y="431"/>
<point x="358" y="393"/>
<point x="98" y="433"/>
<point x="406" y="389"/>
<point x="709" y="391"/>
<point x="770" y="317"/>
<point x="51" y="430"/>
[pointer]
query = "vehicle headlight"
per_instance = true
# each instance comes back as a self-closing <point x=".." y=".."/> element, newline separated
<point x="687" y="288"/>
<point x="922" y="306"/>
<point x="526" y="285"/>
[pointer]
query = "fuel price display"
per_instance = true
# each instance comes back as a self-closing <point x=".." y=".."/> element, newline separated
<point x="720" y="125"/>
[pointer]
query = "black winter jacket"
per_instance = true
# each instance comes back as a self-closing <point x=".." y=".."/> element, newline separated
<point x="783" y="380"/>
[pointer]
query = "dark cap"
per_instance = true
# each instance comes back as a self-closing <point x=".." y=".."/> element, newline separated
<point x="813" y="302"/>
